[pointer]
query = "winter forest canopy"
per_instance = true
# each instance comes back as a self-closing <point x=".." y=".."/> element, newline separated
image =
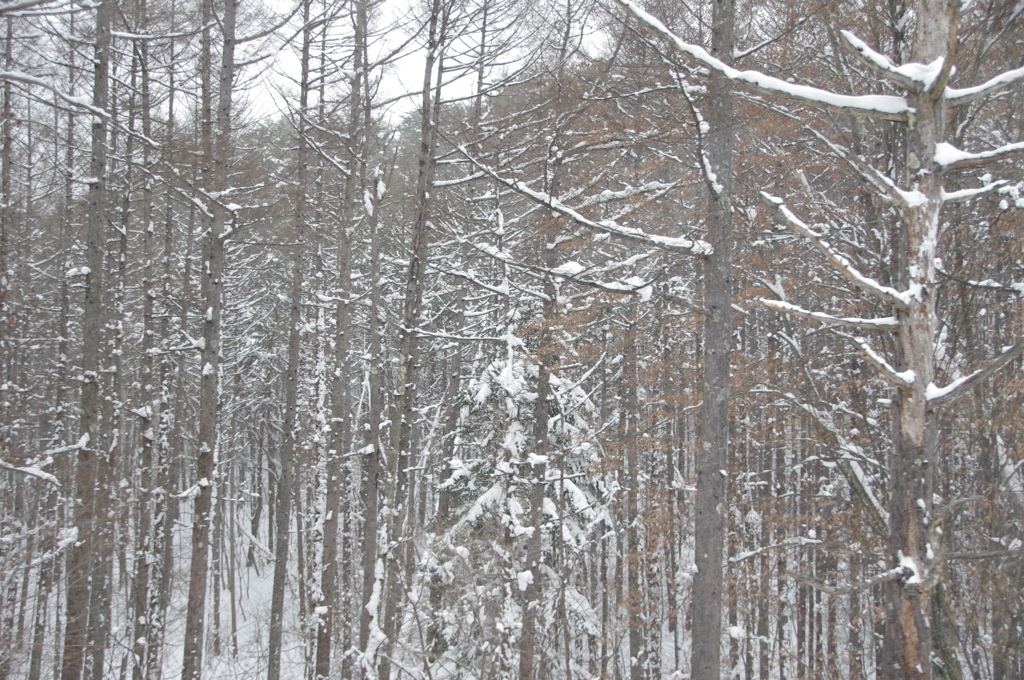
<point x="494" y="339"/>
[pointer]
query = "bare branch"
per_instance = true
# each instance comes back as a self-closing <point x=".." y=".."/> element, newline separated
<point x="894" y="574"/>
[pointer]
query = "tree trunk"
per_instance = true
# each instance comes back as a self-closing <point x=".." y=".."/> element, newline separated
<point x="907" y="650"/>
<point x="289" y="448"/>
<point x="215" y="159"/>
<point x="91" y="427"/>
<point x="711" y="504"/>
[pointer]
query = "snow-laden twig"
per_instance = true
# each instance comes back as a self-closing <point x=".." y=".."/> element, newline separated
<point x="676" y="244"/>
<point x="913" y="77"/>
<point x="843" y="265"/>
<point x="894" y="574"/>
<point x="993" y="85"/>
<point x="30" y="471"/>
<point x="796" y="541"/>
<point x="81" y="102"/>
<point x="888" y="323"/>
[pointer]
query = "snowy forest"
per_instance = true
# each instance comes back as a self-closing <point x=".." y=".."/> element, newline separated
<point x="512" y="339"/>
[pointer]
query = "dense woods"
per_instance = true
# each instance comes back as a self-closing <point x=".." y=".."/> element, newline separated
<point x="493" y="339"/>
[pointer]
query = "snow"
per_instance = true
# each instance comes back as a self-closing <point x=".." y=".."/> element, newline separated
<point x="877" y="104"/>
<point x="644" y="291"/>
<point x="999" y="81"/>
<point x="909" y="567"/>
<point x="488" y="499"/>
<point x="524" y="578"/>
<point x="31" y="471"/>
<point x="535" y="460"/>
<point x="946" y="154"/>
<point x="923" y="74"/>
<point x="569" y="269"/>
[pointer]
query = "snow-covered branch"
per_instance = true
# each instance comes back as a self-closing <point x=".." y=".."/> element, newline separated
<point x="898" y="378"/>
<point x="913" y="77"/>
<point x="887" y="107"/>
<point x="840" y="262"/>
<point x="81" y="102"/>
<point x="938" y="396"/>
<point x="888" y="323"/>
<point x="1000" y="82"/>
<point x="30" y="471"/>
<point x="952" y="158"/>
<point x="18" y="5"/>
<point x="677" y="244"/>
<point x="894" y="574"/>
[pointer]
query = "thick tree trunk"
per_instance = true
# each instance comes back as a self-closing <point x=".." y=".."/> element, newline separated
<point x="907" y="650"/>
<point x="711" y="504"/>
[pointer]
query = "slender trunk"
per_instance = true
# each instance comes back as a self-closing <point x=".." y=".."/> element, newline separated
<point x="341" y="417"/>
<point x="289" y="448"/>
<point x="215" y="159"/>
<point x="401" y="480"/>
<point x="91" y="427"/>
<point x="6" y="218"/>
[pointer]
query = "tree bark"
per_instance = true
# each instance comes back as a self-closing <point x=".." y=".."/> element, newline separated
<point x="713" y="457"/>
<point x="215" y="160"/>
<point x="91" y="426"/>
<point x="289" y="448"/>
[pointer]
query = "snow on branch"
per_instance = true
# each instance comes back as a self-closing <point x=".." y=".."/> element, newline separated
<point x="887" y="188"/>
<point x="795" y="541"/>
<point x="968" y="95"/>
<point x="678" y="244"/>
<point x="81" y="102"/>
<point x="938" y="396"/>
<point x="888" y="323"/>
<point x="913" y="77"/>
<point x="840" y="262"/>
<point x="30" y="471"/>
<point x="952" y="158"/>
<point x="965" y="194"/>
<point x="12" y="6"/>
<point x="894" y="574"/>
<point x="902" y="379"/>
<point x="887" y="107"/>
